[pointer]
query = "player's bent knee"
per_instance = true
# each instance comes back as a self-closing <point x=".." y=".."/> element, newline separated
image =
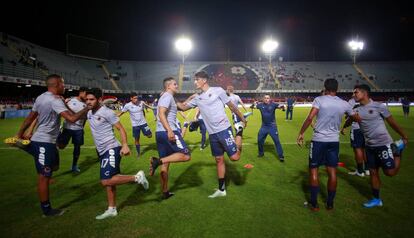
<point x="105" y="182"/>
<point x="235" y="157"/>
<point x="186" y="157"/>
<point x="390" y="173"/>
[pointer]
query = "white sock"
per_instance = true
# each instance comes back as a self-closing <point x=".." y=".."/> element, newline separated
<point x="112" y="209"/>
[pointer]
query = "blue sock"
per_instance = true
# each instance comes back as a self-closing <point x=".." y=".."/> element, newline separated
<point x="314" y="195"/>
<point x="375" y="193"/>
<point x="331" y="196"/>
<point x="45" y="206"/>
<point x="138" y="149"/>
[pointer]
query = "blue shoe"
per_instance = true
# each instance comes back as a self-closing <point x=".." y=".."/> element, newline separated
<point x="375" y="202"/>
<point x="247" y="114"/>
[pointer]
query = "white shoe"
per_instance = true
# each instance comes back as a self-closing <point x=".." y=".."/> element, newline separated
<point x="356" y="173"/>
<point x="141" y="179"/>
<point x="238" y="126"/>
<point x="367" y="172"/>
<point x="107" y="213"/>
<point x="218" y="193"/>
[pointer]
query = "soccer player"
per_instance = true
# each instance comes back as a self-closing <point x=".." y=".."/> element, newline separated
<point x="236" y="100"/>
<point x="170" y="144"/>
<point x="324" y="148"/>
<point x="211" y="101"/>
<point x="381" y="152"/>
<point x="357" y="143"/>
<point x="136" y="112"/>
<point x="289" y="110"/>
<point x="102" y="120"/>
<point x="405" y="106"/>
<point x="154" y="106"/>
<point x="74" y="131"/>
<point x="269" y="127"/>
<point x="48" y="108"/>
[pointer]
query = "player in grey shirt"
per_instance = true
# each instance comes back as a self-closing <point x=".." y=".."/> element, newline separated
<point x="380" y="149"/>
<point x="357" y="143"/>
<point x="47" y="109"/>
<point x="170" y="144"/>
<point x="211" y="101"/>
<point x="74" y="130"/>
<point x="236" y="100"/>
<point x="102" y="120"/>
<point x="324" y="149"/>
<point x="137" y="115"/>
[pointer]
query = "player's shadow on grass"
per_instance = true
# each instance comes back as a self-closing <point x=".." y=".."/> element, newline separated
<point x="360" y="184"/>
<point x="190" y="177"/>
<point x="152" y="146"/>
<point x="84" y="165"/>
<point x="138" y="197"/>
<point x="304" y="177"/>
<point x="234" y="175"/>
<point x="85" y="192"/>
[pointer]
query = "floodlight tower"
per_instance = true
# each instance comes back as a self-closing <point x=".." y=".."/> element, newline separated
<point x="183" y="46"/>
<point x="356" y="47"/>
<point x="269" y="47"/>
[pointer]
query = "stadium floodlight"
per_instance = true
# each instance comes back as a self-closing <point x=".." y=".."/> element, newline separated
<point x="269" y="47"/>
<point x="183" y="46"/>
<point x="356" y="47"/>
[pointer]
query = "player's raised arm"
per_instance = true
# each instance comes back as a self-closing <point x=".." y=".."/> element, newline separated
<point x="187" y="104"/>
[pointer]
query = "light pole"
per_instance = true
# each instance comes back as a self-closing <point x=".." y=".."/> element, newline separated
<point x="356" y="47"/>
<point x="269" y="47"/>
<point x="183" y="46"/>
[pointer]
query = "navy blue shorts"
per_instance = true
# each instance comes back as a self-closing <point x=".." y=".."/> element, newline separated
<point x="323" y="153"/>
<point x="66" y="134"/>
<point x="357" y="139"/>
<point x="136" y="130"/>
<point x="166" y="147"/>
<point x="380" y="156"/>
<point x="223" y="141"/>
<point x="110" y="163"/>
<point x="46" y="157"/>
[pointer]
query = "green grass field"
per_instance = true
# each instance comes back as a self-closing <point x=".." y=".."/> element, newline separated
<point x="266" y="201"/>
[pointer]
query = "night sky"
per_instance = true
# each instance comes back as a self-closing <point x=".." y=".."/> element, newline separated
<point x="221" y="30"/>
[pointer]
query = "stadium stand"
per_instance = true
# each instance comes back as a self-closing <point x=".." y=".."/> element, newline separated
<point x="23" y="59"/>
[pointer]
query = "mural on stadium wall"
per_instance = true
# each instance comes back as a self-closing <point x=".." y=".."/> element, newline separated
<point x="239" y="76"/>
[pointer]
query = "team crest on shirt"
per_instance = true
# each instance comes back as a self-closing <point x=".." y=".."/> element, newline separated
<point x="371" y="111"/>
<point x="99" y="118"/>
<point x="209" y="95"/>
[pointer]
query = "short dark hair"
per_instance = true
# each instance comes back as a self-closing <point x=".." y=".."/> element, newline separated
<point x="133" y="94"/>
<point x="166" y="81"/>
<point x="363" y="87"/>
<point x="97" y="92"/>
<point x="52" y="76"/>
<point x="83" y="89"/>
<point x="202" y="74"/>
<point x="331" y="85"/>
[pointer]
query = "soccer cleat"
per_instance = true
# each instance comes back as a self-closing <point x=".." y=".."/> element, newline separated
<point x="17" y="142"/>
<point x="367" y="172"/>
<point x="357" y="173"/>
<point x="218" y="193"/>
<point x="239" y="127"/>
<point x="186" y="124"/>
<point x="141" y="179"/>
<point x="54" y="213"/>
<point x="260" y="155"/>
<point x="282" y="159"/>
<point x="329" y="207"/>
<point x="311" y="207"/>
<point x="375" y="202"/>
<point x="75" y="169"/>
<point x="155" y="162"/>
<point x="107" y="213"/>
<point x="397" y="147"/>
<point x="247" y="114"/>
<point x="167" y="195"/>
